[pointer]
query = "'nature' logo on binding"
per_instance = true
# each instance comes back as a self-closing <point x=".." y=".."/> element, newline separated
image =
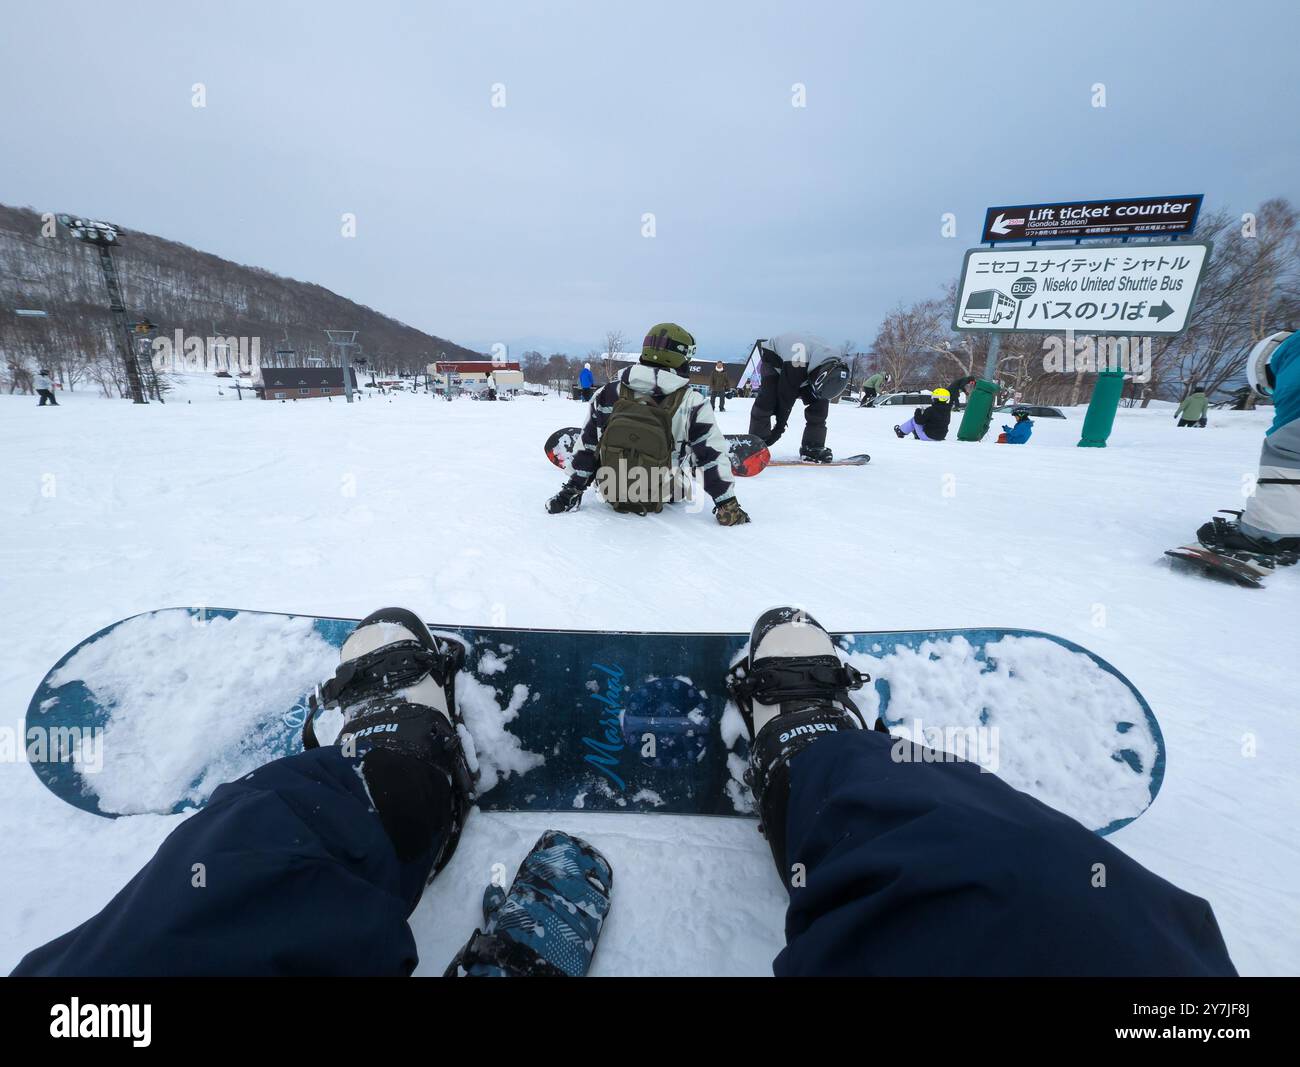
<point x="604" y="754"/>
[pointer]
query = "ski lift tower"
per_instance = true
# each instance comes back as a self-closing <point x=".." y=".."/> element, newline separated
<point x="344" y="341"/>
<point x="104" y="236"/>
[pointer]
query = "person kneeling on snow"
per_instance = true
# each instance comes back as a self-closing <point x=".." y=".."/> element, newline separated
<point x="1019" y="433"/>
<point x="1191" y="412"/>
<point x="643" y="427"/>
<point x="929" y="424"/>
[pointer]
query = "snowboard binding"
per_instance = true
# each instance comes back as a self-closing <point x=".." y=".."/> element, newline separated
<point x="396" y="690"/>
<point x="788" y="674"/>
<point x="1225" y="537"/>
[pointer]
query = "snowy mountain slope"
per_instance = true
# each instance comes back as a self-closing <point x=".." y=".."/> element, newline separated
<point x="108" y="510"/>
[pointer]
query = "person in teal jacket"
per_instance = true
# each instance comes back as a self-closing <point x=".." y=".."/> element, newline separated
<point x="1270" y="525"/>
<point x="1019" y="433"/>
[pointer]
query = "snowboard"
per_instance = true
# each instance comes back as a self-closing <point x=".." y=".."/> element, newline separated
<point x="1243" y="569"/>
<point x="848" y="461"/>
<point x="748" y="454"/>
<point x="152" y="713"/>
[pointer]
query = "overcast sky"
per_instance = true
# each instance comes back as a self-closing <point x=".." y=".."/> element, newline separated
<point x="523" y="223"/>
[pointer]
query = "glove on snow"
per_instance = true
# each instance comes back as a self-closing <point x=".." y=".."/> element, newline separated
<point x="549" y="922"/>
<point x="730" y="513"/>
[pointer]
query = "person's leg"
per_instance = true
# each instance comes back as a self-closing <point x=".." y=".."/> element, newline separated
<point x="287" y="871"/>
<point x="1273" y="511"/>
<point x="815" y="413"/>
<point x="722" y="401"/>
<point x="913" y="867"/>
<point x="760" y="415"/>
<point x="309" y="865"/>
<point x="713" y="401"/>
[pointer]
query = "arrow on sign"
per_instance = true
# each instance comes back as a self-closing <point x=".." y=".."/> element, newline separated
<point x="1161" y="311"/>
<point x="1000" y="224"/>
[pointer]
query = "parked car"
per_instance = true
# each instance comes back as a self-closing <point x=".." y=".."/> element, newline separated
<point x="1036" y="411"/>
<point x="905" y="400"/>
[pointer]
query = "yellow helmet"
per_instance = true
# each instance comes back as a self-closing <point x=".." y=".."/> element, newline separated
<point x="941" y="394"/>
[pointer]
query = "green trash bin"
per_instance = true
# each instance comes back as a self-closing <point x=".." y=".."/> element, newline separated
<point x="979" y="411"/>
<point x="1100" y="419"/>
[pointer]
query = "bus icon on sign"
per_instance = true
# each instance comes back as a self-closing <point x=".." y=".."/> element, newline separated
<point x="1023" y="287"/>
<point x="988" y="305"/>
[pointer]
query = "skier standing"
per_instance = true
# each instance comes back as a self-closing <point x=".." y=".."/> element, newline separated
<point x="45" y="389"/>
<point x="719" y="383"/>
<point x="931" y="423"/>
<point x="586" y="380"/>
<point x="797" y="366"/>
<point x="1271" y="523"/>
<point x="1191" y="412"/>
<point x="643" y="426"/>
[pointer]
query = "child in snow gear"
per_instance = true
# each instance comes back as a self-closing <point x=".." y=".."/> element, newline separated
<point x="1019" y="433"/>
<point x="549" y="923"/>
<point x="1270" y="526"/>
<point x="903" y="861"/>
<point x="871" y="388"/>
<point x="644" y="426"/>
<point x="797" y="366"/>
<point x="586" y="380"/>
<point x="719" y="383"/>
<point x="44" y="389"/>
<point x="1192" y="411"/>
<point x="931" y="423"/>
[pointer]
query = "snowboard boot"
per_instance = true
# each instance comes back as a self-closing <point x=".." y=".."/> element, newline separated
<point x="1226" y="536"/>
<point x="815" y="455"/>
<point x="396" y="689"/>
<point x="792" y="691"/>
<point x="898" y="432"/>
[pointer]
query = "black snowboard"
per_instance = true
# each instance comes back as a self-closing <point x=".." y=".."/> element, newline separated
<point x="1242" y="569"/>
<point x="847" y="461"/>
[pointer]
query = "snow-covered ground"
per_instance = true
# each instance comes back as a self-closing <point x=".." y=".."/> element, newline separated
<point x="108" y="509"/>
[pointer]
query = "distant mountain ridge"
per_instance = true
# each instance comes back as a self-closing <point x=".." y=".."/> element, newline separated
<point x="178" y="288"/>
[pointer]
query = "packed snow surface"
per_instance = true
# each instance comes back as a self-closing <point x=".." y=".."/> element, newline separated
<point x="108" y="510"/>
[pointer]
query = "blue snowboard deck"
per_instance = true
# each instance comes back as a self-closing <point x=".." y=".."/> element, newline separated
<point x="151" y="713"/>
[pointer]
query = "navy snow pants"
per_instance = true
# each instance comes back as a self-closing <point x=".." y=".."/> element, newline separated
<point x="298" y="877"/>
<point x="940" y="869"/>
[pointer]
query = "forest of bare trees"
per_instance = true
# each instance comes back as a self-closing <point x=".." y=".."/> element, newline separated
<point x="177" y="288"/>
<point x="1251" y="287"/>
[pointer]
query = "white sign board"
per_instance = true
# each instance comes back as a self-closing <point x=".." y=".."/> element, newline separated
<point x="1116" y="289"/>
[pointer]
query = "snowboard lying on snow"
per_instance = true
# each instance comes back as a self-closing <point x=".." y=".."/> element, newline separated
<point x="748" y="454"/>
<point x="152" y="713"/>
<point x="1243" y="569"/>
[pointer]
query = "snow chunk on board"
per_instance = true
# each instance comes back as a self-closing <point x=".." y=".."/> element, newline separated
<point x="1047" y="720"/>
<point x="182" y="720"/>
<point x="492" y="749"/>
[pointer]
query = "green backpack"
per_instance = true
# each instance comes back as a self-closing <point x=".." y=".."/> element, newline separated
<point x="637" y="453"/>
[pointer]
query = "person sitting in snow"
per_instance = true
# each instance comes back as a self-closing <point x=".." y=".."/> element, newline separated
<point x="644" y="426"/>
<point x="920" y="866"/>
<point x="1019" y="433"/>
<point x="1192" y="411"/>
<point x="931" y="423"/>
<point x="586" y="380"/>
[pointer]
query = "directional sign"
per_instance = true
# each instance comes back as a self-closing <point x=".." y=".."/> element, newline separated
<point x="1116" y="289"/>
<point x="1144" y="216"/>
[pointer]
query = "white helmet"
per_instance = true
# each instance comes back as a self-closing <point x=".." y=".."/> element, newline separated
<point x="1258" y="372"/>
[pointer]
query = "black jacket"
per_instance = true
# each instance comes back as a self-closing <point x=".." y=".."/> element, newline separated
<point x="934" y="420"/>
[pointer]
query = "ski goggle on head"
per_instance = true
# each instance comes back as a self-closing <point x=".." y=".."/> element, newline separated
<point x="661" y="342"/>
